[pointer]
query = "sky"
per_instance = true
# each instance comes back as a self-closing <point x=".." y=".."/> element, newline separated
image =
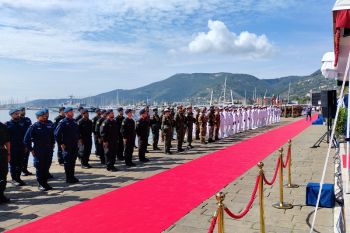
<point x="55" y="48"/>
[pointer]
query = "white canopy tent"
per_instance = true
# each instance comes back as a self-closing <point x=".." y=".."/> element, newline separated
<point x="328" y="70"/>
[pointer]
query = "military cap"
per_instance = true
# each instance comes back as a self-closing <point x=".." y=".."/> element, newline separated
<point x="128" y="110"/>
<point x="22" y="108"/>
<point x="155" y="109"/>
<point x="84" y="111"/>
<point x="109" y="111"/>
<point x="68" y="109"/>
<point x="14" y="110"/>
<point x="103" y="111"/>
<point x="189" y="106"/>
<point x="167" y="110"/>
<point x="40" y="112"/>
<point x="60" y="109"/>
<point x="120" y="109"/>
<point x="97" y="110"/>
<point x="46" y="110"/>
<point x="80" y="108"/>
<point x="142" y="111"/>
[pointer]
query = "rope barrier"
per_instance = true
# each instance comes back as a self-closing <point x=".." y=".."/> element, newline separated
<point x="287" y="159"/>
<point x="213" y="223"/>
<point x="275" y="175"/>
<point x="249" y="205"/>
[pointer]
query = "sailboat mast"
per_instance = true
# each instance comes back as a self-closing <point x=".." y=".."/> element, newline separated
<point x="225" y="90"/>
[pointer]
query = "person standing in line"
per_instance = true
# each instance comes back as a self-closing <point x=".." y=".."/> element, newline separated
<point x="217" y="124"/>
<point x="189" y="119"/>
<point x="40" y="141"/>
<point x="16" y="129"/>
<point x="5" y="156"/>
<point x="203" y="125"/>
<point x="67" y="137"/>
<point x="198" y="112"/>
<point x="155" y="126"/>
<point x="180" y="128"/>
<point x="142" y="129"/>
<point x="57" y="119"/>
<point x="167" y="131"/>
<point x="99" y="145"/>
<point x="27" y="123"/>
<point x="85" y="139"/>
<point x="119" y="119"/>
<point x="129" y="134"/>
<point x="109" y="133"/>
<point x="94" y="122"/>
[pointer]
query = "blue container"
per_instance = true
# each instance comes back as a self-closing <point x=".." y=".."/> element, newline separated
<point x="327" y="195"/>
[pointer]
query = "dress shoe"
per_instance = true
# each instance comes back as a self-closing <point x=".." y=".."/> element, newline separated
<point x="145" y="160"/>
<point x="18" y="182"/>
<point x="156" y="148"/>
<point x="180" y="150"/>
<point x="112" y="169"/>
<point x="85" y="166"/>
<point x="4" y="199"/>
<point x="72" y="180"/>
<point x="47" y="186"/>
<point x="42" y="188"/>
<point x="130" y="165"/>
<point x="26" y="173"/>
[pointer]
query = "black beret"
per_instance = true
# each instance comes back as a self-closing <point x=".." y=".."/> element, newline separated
<point x="128" y="110"/>
<point x="142" y="111"/>
<point x="61" y="109"/>
<point x="120" y="109"/>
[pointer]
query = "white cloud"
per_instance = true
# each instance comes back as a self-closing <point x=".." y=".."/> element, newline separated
<point x="221" y="40"/>
<point x="90" y="31"/>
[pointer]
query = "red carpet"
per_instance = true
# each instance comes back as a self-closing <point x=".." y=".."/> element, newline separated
<point x="154" y="204"/>
<point x="344" y="161"/>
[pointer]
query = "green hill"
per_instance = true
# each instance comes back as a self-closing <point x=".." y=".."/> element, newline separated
<point x="196" y="88"/>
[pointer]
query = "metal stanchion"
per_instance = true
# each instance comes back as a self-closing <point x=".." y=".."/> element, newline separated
<point x="290" y="185"/>
<point x="220" y="197"/>
<point x="281" y="204"/>
<point x="261" y="197"/>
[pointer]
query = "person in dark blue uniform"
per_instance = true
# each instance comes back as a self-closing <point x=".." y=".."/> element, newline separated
<point x="129" y="134"/>
<point x="99" y="145"/>
<point x="142" y="131"/>
<point x="119" y="119"/>
<point x="16" y="129"/>
<point x="27" y="123"/>
<point x="48" y="122"/>
<point x="85" y="139"/>
<point x="57" y="119"/>
<point x="80" y="115"/>
<point x="4" y="158"/>
<point x="40" y="140"/>
<point x="109" y="134"/>
<point x="67" y="137"/>
<point x="94" y="122"/>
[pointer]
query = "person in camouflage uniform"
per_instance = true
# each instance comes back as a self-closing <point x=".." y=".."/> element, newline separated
<point x="203" y="120"/>
<point x="156" y="123"/>
<point x="211" y="123"/>
<point x="180" y="128"/>
<point x="167" y="129"/>
<point x="198" y="112"/>
<point x="189" y="125"/>
<point x="217" y="124"/>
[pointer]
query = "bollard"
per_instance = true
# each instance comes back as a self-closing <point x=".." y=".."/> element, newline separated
<point x="220" y="197"/>
<point x="281" y="204"/>
<point x="261" y="197"/>
<point x="290" y="185"/>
